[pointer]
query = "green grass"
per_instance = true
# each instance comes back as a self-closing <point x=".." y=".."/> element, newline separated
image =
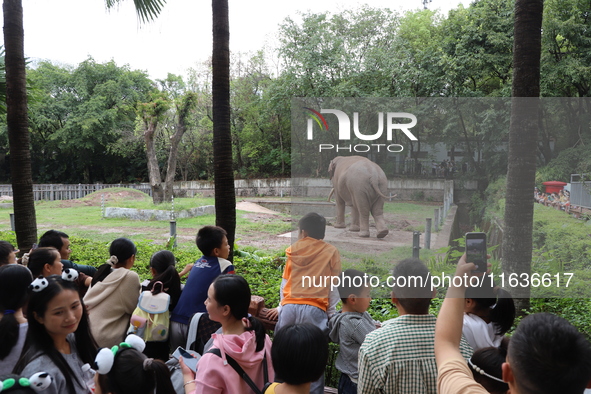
<point x="85" y="220"/>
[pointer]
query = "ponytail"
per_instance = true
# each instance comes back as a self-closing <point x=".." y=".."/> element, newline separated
<point x="259" y="330"/>
<point x="503" y="314"/>
<point x="498" y="302"/>
<point x="9" y="332"/>
<point x="101" y="273"/>
<point x="161" y="376"/>
<point x="14" y="285"/>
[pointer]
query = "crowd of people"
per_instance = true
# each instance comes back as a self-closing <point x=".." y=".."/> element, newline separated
<point x="560" y="200"/>
<point x="70" y="325"/>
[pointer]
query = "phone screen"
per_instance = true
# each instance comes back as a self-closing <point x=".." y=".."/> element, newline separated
<point x="189" y="359"/>
<point x="476" y="250"/>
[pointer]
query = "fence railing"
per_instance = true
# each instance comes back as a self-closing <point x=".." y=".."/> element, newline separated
<point x="580" y="190"/>
<point x="52" y="191"/>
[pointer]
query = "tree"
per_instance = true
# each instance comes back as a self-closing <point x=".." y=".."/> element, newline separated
<point x="16" y="118"/>
<point x="153" y="114"/>
<point x="225" y="194"/>
<point x="517" y="237"/>
<point x="150" y="115"/>
<point x="82" y="122"/>
<point x="18" y="127"/>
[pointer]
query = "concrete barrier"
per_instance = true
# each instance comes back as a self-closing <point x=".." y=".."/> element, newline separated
<point x="153" y="214"/>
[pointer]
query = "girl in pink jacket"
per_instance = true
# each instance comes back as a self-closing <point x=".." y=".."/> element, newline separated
<point x="243" y="339"/>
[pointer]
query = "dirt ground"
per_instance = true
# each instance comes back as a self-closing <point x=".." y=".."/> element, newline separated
<point x="400" y="227"/>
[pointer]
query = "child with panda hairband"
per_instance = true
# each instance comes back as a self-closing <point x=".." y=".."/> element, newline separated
<point x="124" y="369"/>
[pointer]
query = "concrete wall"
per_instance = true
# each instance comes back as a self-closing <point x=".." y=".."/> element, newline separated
<point x="406" y="189"/>
<point x="244" y="188"/>
<point x="153" y="214"/>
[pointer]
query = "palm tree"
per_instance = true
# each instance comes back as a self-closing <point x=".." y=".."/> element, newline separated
<point x="225" y="195"/>
<point x="18" y="126"/>
<point x="16" y="117"/>
<point x="517" y="239"/>
<point x="26" y="228"/>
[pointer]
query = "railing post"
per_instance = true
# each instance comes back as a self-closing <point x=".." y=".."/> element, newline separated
<point x="436" y="217"/>
<point x="428" y="233"/>
<point x="416" y="244"/>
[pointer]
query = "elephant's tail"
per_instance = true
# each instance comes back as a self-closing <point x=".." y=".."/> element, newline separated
<point x="376" y="187"/>
<point x="330" y="194"/>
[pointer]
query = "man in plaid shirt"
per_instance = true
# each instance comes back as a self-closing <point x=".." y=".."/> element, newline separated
<point x="400" y="356"/>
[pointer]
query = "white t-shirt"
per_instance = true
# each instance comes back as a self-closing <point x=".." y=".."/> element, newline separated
<point x="479" y="333"/>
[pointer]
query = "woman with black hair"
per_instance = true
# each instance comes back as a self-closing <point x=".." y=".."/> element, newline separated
<point x="489" y="312"/>
<point x="162" y="268"/>
<point x="14" y="287"/>
<point x="114" y="294"/>
<point x="58" y="340"/>
<point x="7" y="253"/>
<point x="243" y="339"/>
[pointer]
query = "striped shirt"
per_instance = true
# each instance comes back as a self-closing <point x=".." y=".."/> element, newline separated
<point x="399" y="358"/>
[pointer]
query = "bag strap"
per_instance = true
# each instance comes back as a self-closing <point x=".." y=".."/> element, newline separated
<point x="161" y="287"/>
<point x="193" y="325"/>
<point x="241" y="371"/>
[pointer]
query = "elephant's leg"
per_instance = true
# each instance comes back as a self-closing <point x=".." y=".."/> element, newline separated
<point x="363" y="222"/>
<point x="340" y="213"/>
<point x="354" y="218"/>
<point x="378" y="215"/>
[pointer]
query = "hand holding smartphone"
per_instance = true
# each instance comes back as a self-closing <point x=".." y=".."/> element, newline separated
<point x="476" y="250"/>
<point x="189" y="359"/>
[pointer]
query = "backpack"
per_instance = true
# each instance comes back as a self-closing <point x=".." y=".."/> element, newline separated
<point x="151" y="319"/>
<point x="234" y="364"/>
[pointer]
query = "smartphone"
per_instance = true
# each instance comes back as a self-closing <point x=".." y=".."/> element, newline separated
<point x="476" y="250"/>
<point x="190" y="359"/>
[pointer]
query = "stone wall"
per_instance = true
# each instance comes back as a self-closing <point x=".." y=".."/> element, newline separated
<point x="153" y="214"/>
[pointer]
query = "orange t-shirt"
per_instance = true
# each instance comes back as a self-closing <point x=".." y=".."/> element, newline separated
<point x="311" y="263"/>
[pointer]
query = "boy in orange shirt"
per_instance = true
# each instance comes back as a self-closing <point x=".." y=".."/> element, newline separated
<point x="306" y="295"/>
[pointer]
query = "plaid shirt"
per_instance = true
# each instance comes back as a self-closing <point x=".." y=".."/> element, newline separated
<point x="399" y="358"/>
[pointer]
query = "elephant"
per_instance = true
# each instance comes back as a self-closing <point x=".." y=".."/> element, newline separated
<point x="361" y="184"/>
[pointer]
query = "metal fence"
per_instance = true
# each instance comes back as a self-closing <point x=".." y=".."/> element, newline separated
<point x="580" y="190"/>
<point x="68" y="192"/>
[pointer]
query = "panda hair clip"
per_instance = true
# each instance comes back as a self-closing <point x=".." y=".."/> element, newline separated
<point x="39" y="284"/>
<point x="106" y="357"/>
<point x="70" y="274"/>
<point x="38" y="382"/>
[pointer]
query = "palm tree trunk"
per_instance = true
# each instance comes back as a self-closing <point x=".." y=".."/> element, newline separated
<point x="225" y="195"/>
<point x="517" y="240"/>
<point x="18" y="126"/>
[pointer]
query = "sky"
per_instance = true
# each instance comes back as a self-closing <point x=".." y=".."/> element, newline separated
<point x="68" y="31"/>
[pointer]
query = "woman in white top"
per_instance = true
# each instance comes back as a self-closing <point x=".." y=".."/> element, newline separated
<point x="489" y="312"/>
